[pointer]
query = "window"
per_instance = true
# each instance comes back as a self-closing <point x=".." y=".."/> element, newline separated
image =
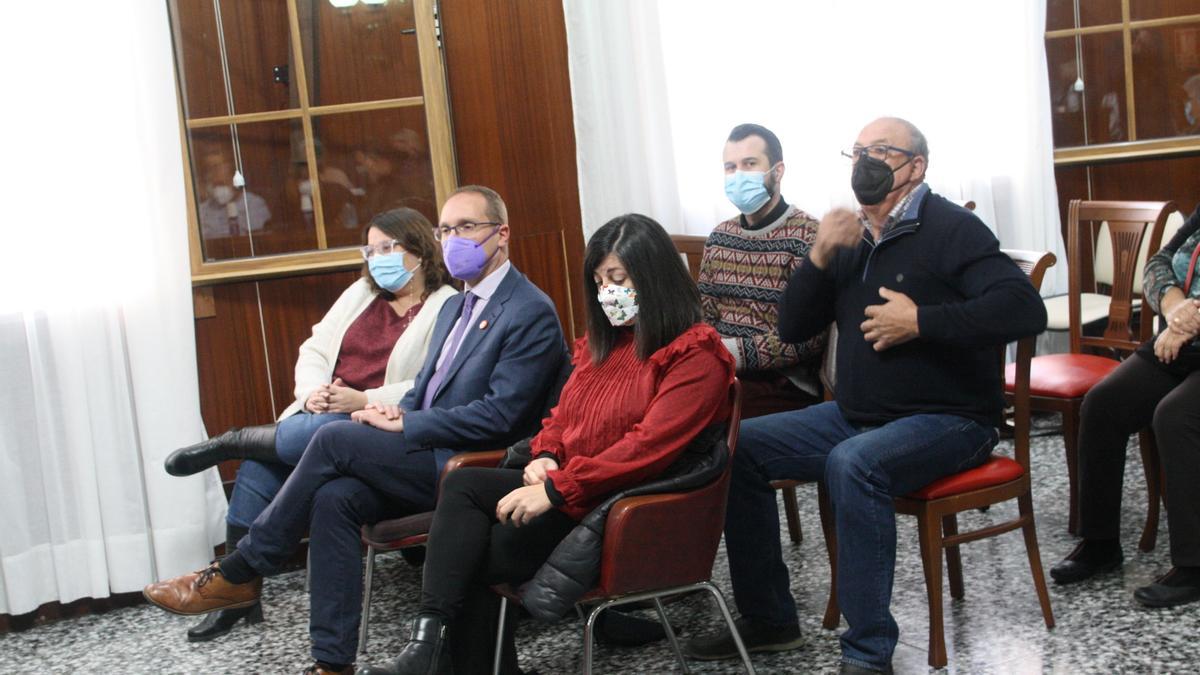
<point x="1124" y="78"/>
<point x="276" y="92"/>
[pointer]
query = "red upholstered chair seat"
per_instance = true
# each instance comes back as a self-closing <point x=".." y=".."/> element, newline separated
<point x="396" y="533"/>
<point x="996" y="471"/>
<point x="1063" y="375"/>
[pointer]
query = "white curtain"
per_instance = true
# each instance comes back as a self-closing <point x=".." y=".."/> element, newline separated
<point x="97" y="350"/>
<point x="970" y="73"/>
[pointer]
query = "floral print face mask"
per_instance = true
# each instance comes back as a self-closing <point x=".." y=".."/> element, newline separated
<point x="619" y="304"/>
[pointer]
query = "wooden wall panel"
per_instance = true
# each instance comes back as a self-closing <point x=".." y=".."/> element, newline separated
<point x="290" y="307"/>
<point x="231" y="361"/>
<point x="510" y="99"/>
<point x="1163" y="179"/>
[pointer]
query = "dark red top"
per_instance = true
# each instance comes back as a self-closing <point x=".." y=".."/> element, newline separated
<point x="367" y="345"/>
<point x="622" y="422"/>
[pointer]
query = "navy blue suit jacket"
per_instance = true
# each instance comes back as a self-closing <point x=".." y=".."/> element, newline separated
<point x="495" y="391"/>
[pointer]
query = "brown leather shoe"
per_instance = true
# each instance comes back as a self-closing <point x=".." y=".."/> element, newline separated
<point x="201" y="592"/>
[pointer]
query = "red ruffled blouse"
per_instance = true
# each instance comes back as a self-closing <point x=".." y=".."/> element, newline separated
<point x="622" y="422"/>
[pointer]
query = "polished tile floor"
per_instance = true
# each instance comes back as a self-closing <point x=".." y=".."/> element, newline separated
<point x="997" y="628"/>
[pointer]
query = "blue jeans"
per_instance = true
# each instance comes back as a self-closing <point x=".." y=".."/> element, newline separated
<point x="258" y="482"/>
<point x="864" y="467"/>
<point x="350" y="474"/>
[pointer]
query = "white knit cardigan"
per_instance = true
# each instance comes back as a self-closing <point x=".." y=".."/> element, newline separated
<point x="319" y="352"/>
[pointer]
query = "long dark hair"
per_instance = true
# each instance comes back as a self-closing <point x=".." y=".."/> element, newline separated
<point x="668" y="300"/>
<point x="415" y="235"/>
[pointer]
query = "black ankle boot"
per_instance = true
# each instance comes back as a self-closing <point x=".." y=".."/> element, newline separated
<point x="427" y="652"/>
<point x="220" y="622"/>
<point x="245" y="443"/>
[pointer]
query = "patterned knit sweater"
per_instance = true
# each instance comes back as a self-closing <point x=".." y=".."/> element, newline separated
<point x="742" y="276"/>
<point x="623" y="421"/>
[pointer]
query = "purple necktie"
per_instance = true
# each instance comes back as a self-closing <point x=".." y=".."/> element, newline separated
<point x="451" y="350"/>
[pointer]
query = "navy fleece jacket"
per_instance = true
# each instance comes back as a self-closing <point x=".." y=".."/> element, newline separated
<point x="971" y="299"/>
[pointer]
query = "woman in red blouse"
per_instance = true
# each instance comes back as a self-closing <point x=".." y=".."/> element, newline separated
<point x="648" y="377"/>
<point x="367" y="348"/>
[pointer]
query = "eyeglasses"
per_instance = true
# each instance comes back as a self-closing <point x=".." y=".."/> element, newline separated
<point x="464" y="229"/>
<point x="382" y="248"/>
<point x="880" y="151"/>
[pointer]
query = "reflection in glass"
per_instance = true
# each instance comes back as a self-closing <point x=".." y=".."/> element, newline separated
<point x="371" y="162"/>
<point x="1161" y="9"/>
<point x="363" y="52"/>
<point x="1166" y="72"/>
<point x="247" y="39"/>
<point x="250" y="190"/>
<point x="1060" y="14"/>
<point x="1097" y="113"/>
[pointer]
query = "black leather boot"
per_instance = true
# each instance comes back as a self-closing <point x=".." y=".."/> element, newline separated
<point x="427" y="652"/>
<point x="220" y="622"/>
<point x="245" y="443"/>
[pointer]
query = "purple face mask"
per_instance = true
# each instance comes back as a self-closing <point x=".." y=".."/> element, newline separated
<point x="466" y="258"/>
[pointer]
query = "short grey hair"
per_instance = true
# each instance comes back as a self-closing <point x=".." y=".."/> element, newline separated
<point x="496" y="210"/>
<point x="920" y="146"/>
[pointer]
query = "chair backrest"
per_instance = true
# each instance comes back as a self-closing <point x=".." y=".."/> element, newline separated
<point x="1034" y="264"/>
<point x="663" y="540"/>
<point x="828" y="372"/>
<point x="691" y="249"/>
<point x="1128" y="225"/>
<point x="1102" y="269"/>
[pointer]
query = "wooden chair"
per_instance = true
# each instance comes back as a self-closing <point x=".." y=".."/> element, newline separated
<point x="1000" y="479"/>
<point x="645" y="528"/>
<point x="1058" y="382"/>
<point x="1097" y="256"/>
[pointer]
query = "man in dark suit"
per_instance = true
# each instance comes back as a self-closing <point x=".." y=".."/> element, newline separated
<point x="496" y="352"/>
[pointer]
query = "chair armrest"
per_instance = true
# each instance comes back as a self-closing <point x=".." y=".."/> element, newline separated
<point x="488" y="459"/>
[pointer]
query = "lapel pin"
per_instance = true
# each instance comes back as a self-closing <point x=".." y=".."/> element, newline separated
<point x="483" y="324"/>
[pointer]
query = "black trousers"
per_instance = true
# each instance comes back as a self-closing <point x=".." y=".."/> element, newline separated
<point x="1142" y="392"/>
<point x="469" y="551"/>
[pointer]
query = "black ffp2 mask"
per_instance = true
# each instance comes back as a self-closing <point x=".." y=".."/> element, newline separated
<point x="873" y="180"/>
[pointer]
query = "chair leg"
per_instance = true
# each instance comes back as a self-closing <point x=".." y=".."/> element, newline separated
<point x="662" y="616"/>
<point x="737" y="637"/>
<point x="588" y="633"/>
<point x="791" y="509"/>
<point x="1029" y="529"/>
<point x="1071" y="448"/>
<point x="366" y="608"/>
<point x="833" y="614"/>
<point x="929" y="529"/>
<point x="1153" y="468"/>
<point x="953" y="557"/>
<point x="499" y="636"/>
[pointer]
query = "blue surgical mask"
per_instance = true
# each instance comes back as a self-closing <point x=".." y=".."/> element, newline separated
<point x="747" y="191"/>
<point x="389" y="271"/>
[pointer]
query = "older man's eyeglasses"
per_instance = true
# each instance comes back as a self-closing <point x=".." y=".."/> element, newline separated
<point x="463" y="229"/>
<point x="382" y="248"/>
<point x="879" y="151"/>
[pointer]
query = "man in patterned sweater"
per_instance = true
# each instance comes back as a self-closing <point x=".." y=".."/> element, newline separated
<point x="746" y="265"/>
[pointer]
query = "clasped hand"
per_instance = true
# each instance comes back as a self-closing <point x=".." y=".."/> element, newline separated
<point x="335" y="397"/>
<point x="892" y="323"/>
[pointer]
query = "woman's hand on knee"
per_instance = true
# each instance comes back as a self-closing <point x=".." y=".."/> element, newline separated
<point x="523" y="505"/>
<point x="1168" y="344"/>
